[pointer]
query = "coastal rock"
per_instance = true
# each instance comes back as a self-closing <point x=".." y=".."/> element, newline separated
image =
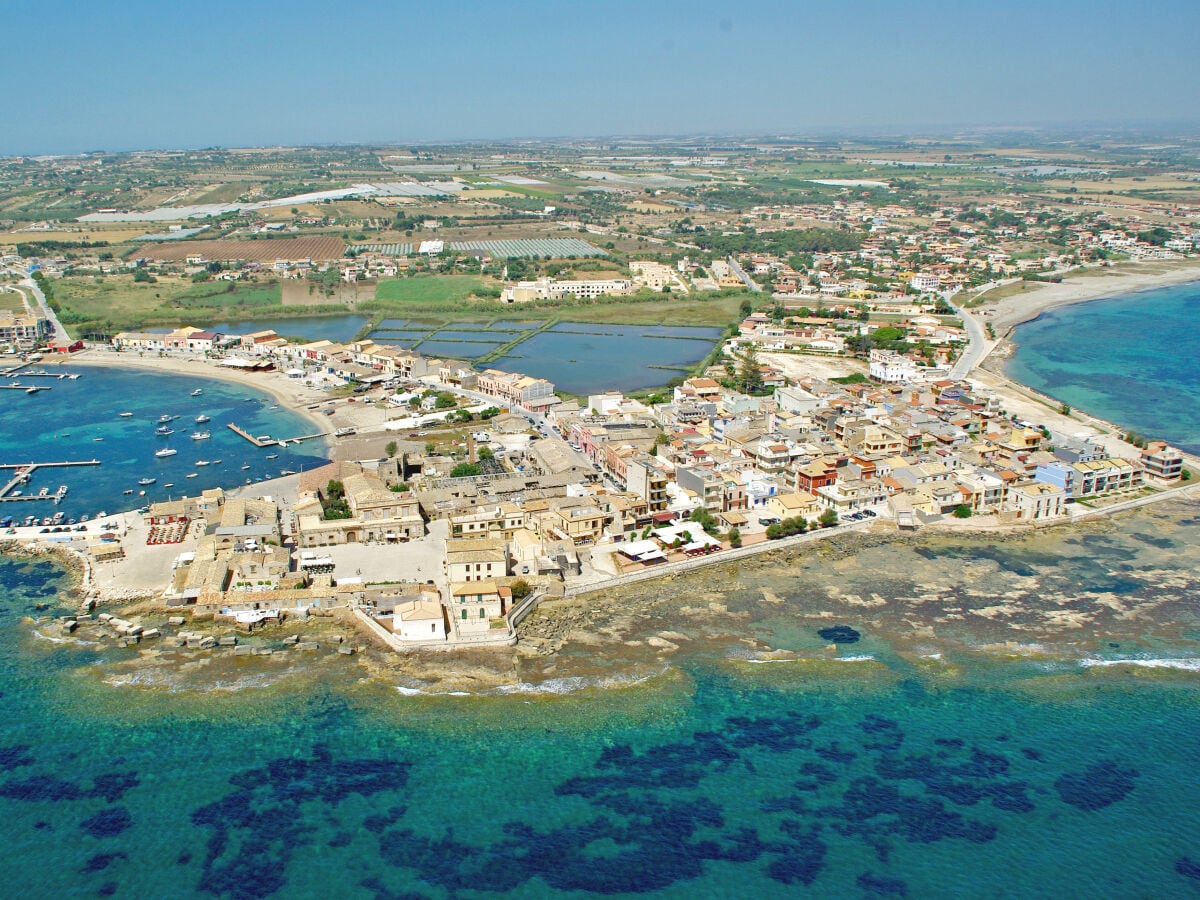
<point x="309" y="645"/>
<point x="346" y="650"/>
<point x="243" y="651"/>
<point x="176" y="621"/>
<point x="152" y="633"/>
<point x="207" y="643"/>
<point x="228" y="641"/>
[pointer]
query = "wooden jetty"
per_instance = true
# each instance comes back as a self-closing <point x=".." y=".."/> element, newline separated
<point x="267" y="441"/>
<point x="27" y="388"/>
<point x="24" y="471"/>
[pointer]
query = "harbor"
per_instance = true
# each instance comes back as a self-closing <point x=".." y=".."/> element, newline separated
<point x="265" y="440"/>
<point x="24" y="472"/>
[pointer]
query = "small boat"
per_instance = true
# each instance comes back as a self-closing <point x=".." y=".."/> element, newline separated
<point x="130" y="491"/>
<point x="197" y="392"/>
<point x="163" y="431"/>
<point x="163" y="419"/>
<point x="97" y="439"/>
<point x="141" y="493"/>
<point x="272" y="456"/>
<point x="285" y="472"/>
<point x="146" y="481"/>
<point x="169" y="484"/>
<point x="244" y="468"/>
<point x="192" y="475"/>
<point x="247" y="481"/>
<point x="202" y="462"/>
<point x="200" y="435"/>
<point x="201" y="419"/>
<point x="165" y="452"/>
<point x="216" y="462"/>
<point x="126" y="415"/>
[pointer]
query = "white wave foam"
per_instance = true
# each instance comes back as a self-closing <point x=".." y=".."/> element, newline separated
<point x="856" y="659"/>
<point x="1189" y="664"/>
<point x="566" y="685"/>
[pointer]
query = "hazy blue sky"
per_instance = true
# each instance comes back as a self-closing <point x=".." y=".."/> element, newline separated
<point x="138" y="74"/>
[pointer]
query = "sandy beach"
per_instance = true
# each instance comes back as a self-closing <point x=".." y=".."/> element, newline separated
<point x="290" y="392"/>
<point x="1081" y="287"/>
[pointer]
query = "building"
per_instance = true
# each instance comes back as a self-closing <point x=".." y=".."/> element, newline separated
<point x="24" y="330"/>
<point x="889" y="367"/>
<point x="1162" y="461"/>
<point x="481" y="522"/>
<point x="474" y="604"/>
<point x="1036" y="501"/>
<point x="925" y="281"/>
<point x="552" y="289"/>
<point x="516" y="389"/>
<point x="476" y="559"/>
<point x="653" y="275"/>
<point x="645" y="477"/>
<point x="376" y="514"/>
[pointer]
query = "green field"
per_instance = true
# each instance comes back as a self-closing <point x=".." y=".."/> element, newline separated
<point x="118" y="303"/>
<point x="434" y="291"/>
<point x="452" y="298"/>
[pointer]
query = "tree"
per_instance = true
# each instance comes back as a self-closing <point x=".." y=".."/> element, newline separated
<point x="486" y="453"/>
<point x="464" y="470"/>
<point x="391" y="449"/>
<point x="749" y="375"/>
<point x="520" y="589"/>
<point x="735" y="537"/>
<point x="962" y="511"/>
<point x="828" y="519"/>
<point x="1065" y="409"/>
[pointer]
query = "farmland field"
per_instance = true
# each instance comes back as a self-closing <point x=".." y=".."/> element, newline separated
<point x="314" y="248"/>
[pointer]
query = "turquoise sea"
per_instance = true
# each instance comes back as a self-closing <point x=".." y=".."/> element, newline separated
<point x="936" y="716"/>
<point x="81" y="420"/>
<point x="1129" y="359"/>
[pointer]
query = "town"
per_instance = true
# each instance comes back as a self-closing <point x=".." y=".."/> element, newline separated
<point x="813" y="354"/>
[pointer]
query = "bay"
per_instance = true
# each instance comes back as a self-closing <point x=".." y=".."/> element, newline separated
<point x="1129" y="359"/>
<point x="80" y="420"/>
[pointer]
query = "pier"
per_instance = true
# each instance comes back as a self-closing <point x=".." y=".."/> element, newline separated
<point x="267" y="441"/>
<point x="24" y="471"/>
<point x="27" y="388"/>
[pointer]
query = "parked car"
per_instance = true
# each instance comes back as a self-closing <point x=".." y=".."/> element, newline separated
<point x="770" y="520"/>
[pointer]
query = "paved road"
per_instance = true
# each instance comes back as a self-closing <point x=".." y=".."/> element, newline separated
<point x="60" y="333"/>
<point x="977" y="345"/>
<point x="741" y="273"/>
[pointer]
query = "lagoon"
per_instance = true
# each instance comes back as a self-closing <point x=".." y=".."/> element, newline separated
<point x="339" y="329"/>
<point x="585" y="358"/>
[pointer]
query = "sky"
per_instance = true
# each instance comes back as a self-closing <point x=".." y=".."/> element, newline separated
<point x="136" y="74"/>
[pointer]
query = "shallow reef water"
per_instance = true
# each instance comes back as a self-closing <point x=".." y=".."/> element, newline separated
<point x="906" y="760"/>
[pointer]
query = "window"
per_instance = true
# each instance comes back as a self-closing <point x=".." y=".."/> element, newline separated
<point x="433" y="627"/>
<point x="464" y="613"/>
<point x="482" y="613"/>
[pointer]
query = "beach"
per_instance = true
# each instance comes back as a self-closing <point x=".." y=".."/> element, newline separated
<point x="1081" y="287"/>
<point x="292" y="392"/>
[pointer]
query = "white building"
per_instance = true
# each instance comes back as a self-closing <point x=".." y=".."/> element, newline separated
<point x="551" y="289"/>
<point x="889" y="367"/>
<point x="925" y="281"/>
